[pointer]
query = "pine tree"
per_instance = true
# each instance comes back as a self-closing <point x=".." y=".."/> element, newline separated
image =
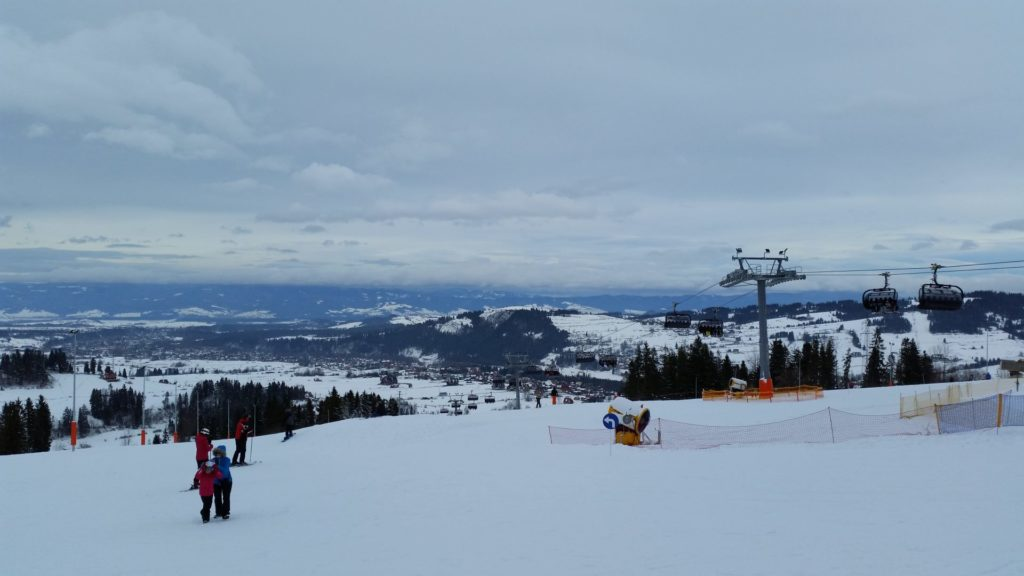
<point x="778" y="359"/>
<point x="909" y="368"/>
<point x="12" y="429"/>
<point x="847" y="361"/>
<point x="84" y="427"/>
<point x="875" y="370"/>
<point x="28" y="421"/>
<point x="43" y="432"/>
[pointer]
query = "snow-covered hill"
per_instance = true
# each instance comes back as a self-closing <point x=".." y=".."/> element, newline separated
<point x="599" y="332"/>
<point x="487" y="493"/>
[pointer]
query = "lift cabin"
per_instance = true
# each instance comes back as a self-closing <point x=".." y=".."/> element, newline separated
<point x="937" y="296"/>
<point x="884" y="299"/>
<point x="676" y="320"/>
<point x="585" y="357"/>
<point x="608" y="361"/>
<point x="711" y="327"/>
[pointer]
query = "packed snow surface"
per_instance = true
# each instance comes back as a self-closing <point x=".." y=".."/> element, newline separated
<point x="488" y="494"/>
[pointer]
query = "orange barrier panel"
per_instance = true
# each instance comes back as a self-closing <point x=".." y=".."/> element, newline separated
<point x="74" y="432"/>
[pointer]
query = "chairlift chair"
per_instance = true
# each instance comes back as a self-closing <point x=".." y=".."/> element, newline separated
<point x="608" y="361"/>
<point x="937" y="296"/>
<point x="585" y="357"/>
<point x="711" y="327"/>
<point x="884" y="299"/>
<point x="676" y="320"/>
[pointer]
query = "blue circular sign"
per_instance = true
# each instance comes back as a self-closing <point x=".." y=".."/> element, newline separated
<point x="610" y="421"/>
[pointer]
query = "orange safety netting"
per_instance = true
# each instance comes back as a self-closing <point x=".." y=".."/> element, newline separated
<point x="825" y="426"/>
<point x="790" y="393"/>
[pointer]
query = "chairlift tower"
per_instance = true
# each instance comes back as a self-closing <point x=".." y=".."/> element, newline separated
<point x="766" y="271"/>
<point x="517" y="362"/>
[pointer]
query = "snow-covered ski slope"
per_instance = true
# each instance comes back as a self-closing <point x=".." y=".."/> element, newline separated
<point x="488" y="494"/>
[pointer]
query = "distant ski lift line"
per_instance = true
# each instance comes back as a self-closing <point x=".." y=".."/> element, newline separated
<point x="921" y="269"/>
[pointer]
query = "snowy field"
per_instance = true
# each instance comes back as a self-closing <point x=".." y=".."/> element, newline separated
<point x="488" y="494"/>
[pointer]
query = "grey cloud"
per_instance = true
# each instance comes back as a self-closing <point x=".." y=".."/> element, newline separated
<point x="313" y="229"/>
<point x="384" y="262"/>
<point x="5" y="221"/>
<point x="85" y="265"/>
<point x="87" y="239"/>
<point x="147" y="81"/>
<point x="1011" y="225"/>
<point x="968" y="245"/>
<point x="126" y="245"/>
<point x="337" y="177"/>
<point x="38" y="130"/>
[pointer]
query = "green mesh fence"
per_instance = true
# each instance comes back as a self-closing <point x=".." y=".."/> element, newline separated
<point x="966" y="416"/>
<point x="1013" y="410"/>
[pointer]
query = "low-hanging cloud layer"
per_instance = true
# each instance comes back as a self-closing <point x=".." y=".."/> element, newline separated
<point x="580" y="146"/>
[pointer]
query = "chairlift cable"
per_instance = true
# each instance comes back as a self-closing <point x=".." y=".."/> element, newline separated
<point x="926" y="268"/>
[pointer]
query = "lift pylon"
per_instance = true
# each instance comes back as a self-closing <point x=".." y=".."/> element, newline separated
<point x="769" y="272"/>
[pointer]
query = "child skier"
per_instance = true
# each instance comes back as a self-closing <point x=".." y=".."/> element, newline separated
<point x="222" y="486"/>
<point x="205" y="476"/>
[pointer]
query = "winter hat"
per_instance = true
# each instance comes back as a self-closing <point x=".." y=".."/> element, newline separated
<point x="220" y="450"/>
<point x="210" y="465"/>
<point x="205" y="431"/>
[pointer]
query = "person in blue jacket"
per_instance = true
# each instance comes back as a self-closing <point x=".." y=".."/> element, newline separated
<point x="222" y="486"/>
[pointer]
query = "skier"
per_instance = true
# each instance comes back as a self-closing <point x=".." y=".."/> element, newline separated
<point x="222" y="486"/>
<point x="241" y="440"/>
<point x="289" y="423"/>
<point x="554" y="395"/>
<point x="203" y="446"/>
<point x="205" y="477"/>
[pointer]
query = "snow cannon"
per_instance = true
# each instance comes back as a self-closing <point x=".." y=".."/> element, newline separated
<point x="737" y="385"/>
<point x="630" y="420"/>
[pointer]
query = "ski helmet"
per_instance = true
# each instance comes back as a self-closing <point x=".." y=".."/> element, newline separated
<point x="205" y="431"/>
<point x="210" y="465"/>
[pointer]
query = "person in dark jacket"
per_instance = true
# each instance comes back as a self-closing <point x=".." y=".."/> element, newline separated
<point x="222" y="486"/>
<point x="289" y="423"/>
<point x="242" y="430"/>
<point x="205" y="477"/>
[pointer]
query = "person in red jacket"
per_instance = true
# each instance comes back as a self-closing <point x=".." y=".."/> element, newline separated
<point x="241" y="440"/>
<point x="203" y="447"/>
<point x="205" y="477"/>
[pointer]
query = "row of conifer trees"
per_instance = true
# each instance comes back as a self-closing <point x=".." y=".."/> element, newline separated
<point x="25" y="427"/>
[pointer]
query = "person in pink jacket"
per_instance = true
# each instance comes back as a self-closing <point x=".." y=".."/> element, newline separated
<point x="205" y="476"/>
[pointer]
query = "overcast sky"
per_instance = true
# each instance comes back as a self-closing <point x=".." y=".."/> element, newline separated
<point x="561" y="146"/>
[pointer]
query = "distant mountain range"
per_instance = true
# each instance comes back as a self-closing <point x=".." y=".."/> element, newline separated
<point x="465" y="327"/>
<point x="235" y="303"/>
